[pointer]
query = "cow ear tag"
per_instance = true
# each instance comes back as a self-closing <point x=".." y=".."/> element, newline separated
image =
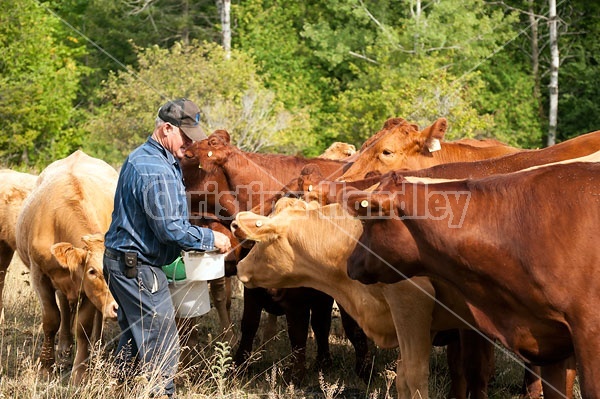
<point x="310" y="187"/>
<point x="364" y="203"/>
<point x="258" y="223"/>
<point x="210" y="154"/>
<point x="435" y="145"/>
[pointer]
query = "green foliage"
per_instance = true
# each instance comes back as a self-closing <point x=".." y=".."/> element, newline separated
<point x="117" y="27"/>
<point x="226" y="90"/>
<point x="39" y="78"/>
<point x="579" y="80"/>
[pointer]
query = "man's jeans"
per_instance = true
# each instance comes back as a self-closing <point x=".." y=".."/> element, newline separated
<point x="149" y="335"/>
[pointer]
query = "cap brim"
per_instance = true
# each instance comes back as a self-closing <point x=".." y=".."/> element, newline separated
<point x="195" y="133"/>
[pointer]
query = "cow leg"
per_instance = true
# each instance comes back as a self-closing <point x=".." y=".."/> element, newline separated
<point x="270" y="328"/>
<point x="221" y="298"/>
<point x="188" y="339"/>
<point x="250" y="321"/>
<point x="320" y="321"/>
<point x="558" y="379"/>
<point x="532" y="384"/>
<point x="50" y="318"/>
<point x="297" y="316"/>
<point x="412" y="318"/>
<point x="84" y="323"/>
<point x="458" y="378"/>
<point x="65" y="333"/>
<point x="359" y="341"/>
<point x="6" y="255"/>
<point x="478" y="362"/>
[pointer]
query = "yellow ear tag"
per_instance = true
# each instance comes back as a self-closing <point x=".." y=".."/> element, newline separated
<point x="364" y="203"/>
<point x="210" y="154"/>
<point x="258" y="223"/>
<point x="310" y="187"/>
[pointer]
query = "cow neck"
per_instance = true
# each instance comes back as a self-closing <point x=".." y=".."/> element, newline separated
<point x="365" y="303"/>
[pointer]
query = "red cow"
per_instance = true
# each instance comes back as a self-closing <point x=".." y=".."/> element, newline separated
<point x="520" y="247"/>
<point x="401" y="145"/>
<point x="221" y="180"/>
<point x="307" y="245"/>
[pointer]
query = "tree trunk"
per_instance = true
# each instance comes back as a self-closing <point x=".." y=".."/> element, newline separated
<point x="554" y="64"/>
<point x="535" y="57"/>
<point x="224" y="7"/>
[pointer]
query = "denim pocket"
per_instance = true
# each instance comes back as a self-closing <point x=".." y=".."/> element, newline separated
<point x="148" y="279"/>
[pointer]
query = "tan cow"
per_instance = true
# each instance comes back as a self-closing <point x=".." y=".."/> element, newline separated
<point x="60" y="238"/>
<point x="14" y="188"/>
<point x="339" y="150"/>
<point x="307" y="245"/>
<point x="401" y="145"/>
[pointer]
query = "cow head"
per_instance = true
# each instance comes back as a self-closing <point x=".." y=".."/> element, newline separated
<point x="293" y="243"/>
<point x="386" y="251"/>
<point x="85" y="267"/>
<point x="398" y="145"/>
<point x="205" y="181"/>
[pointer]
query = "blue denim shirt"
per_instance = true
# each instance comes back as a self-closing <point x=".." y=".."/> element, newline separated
<point x="150" y="213"/>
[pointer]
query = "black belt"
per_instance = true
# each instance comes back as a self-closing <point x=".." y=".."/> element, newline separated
<point x="112" y="254"/>
<point x="120" y="256"/>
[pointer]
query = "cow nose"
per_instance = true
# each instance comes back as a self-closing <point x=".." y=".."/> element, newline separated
<point x="112" y="311"/>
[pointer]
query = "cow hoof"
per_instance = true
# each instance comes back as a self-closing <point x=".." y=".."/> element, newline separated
<point x="323" y="363"/>
<point x="295" y="374"/>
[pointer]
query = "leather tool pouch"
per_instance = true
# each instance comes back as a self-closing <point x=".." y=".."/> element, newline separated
<point x="131" y="264"/>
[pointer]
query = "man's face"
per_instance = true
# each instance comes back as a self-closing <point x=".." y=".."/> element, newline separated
<point x="176" y="141"/>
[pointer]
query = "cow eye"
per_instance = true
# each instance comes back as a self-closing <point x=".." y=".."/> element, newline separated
<point x="92" y="272"/>
<point x="387" y="153"/>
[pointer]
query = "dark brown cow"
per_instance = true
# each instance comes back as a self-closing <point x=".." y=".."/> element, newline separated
<point x="221" y="180"/>
<point x="401" y="145"/>
<point x="522" y="249"/>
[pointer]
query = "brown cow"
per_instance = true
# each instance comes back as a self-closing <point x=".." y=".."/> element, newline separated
<point x="221" y="180"/>
<point x="14" y="188"/>
<point x="307" y="245"/>
<point x="521" y="248"/>
<point x="401" y="145"/>
<point x="576" y="147"/>
<point x="60" y="238"/>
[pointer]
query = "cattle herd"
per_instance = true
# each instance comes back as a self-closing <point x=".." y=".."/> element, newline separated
<point x="469" y="243"/>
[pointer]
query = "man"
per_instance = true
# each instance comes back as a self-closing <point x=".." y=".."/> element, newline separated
<point x="149" y="229"/>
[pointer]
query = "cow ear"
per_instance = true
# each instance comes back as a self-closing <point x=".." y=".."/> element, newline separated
<point x="256" y="227"/>
<point x="365" y="205"/>
<point x="68" y="256"/>
<point x="219" y="138"/>
<point x="432" y="135"/>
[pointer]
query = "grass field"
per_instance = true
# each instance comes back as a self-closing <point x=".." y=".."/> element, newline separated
<point x="210" y="373"/>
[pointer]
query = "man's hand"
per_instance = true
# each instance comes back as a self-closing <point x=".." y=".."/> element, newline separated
<point x="222" y="242"/>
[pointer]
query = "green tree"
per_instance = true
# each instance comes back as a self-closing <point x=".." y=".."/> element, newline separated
<point x="421" y="65"/>
<point x="40" y="79"/>
<point x="228" y="91"/>
<point x="113" y="29"/>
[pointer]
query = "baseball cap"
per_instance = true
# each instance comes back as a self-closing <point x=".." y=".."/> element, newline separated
<point x="184" y="114"/>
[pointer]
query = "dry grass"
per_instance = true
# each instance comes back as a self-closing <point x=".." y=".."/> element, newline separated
<point x="210" y="373"/>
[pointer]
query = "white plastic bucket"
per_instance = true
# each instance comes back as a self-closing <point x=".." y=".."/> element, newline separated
<point x="190" y="298"/>
<point x="204" y="266"/>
